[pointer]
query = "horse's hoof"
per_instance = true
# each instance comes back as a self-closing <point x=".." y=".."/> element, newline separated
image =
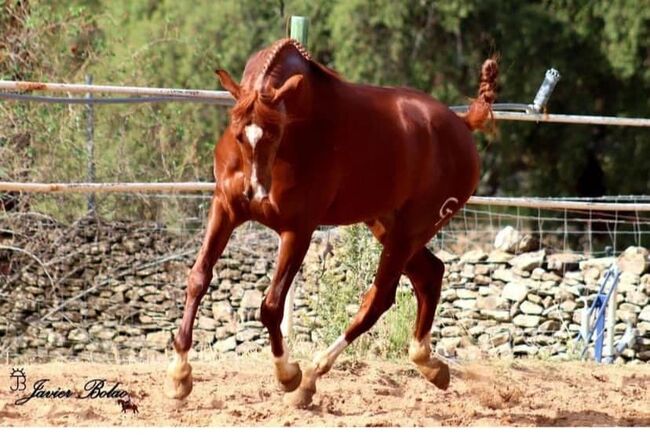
<point x="437" y="373"/>
<point x="292" y="383"/>
<point x="441" y="380"/>
<point x="178" y="388"/>
<point x="178" y="384"/>
<point x="301" y="398"/>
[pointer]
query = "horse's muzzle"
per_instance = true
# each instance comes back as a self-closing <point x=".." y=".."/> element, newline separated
<point x="256" y="191"/>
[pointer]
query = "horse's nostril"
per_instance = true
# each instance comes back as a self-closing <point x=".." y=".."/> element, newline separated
<point x="249" y="193"/>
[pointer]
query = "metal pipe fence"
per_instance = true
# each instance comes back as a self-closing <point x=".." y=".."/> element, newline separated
<point x="582" y="223"/>
<point x="504" y="111"/>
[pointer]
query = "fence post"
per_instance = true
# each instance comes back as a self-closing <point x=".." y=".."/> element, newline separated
<point x="610" y="315"/>
<point x="299" y="30"/>
<point x="90" y="145"/>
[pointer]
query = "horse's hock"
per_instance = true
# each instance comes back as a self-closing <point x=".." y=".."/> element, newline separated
<point x="114" y="291"/>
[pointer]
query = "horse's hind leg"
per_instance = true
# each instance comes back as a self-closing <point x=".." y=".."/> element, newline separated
<point x="425" y="272"/>
<point x="376" y="300"/>
<point x="220" y="226"/>
<point x="293" y="246"/>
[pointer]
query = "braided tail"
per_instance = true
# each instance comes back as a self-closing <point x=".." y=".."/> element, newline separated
<point x="480" y="110"/>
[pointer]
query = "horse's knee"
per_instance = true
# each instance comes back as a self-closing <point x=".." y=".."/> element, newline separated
<point x="198" y="282"/>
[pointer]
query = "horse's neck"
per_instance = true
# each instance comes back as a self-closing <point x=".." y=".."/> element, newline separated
<point x="316" y="100"/>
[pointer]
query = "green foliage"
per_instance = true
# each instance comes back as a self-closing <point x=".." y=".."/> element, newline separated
<point x="394" y="332"/>
<point x="341" y="287"/>
<point x="601" y="47"/>
<point x="343" y="282"/>
<point x="46" y="43"/>
<point x="368" y="37"/>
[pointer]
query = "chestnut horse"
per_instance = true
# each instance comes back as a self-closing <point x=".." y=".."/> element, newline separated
<point x="306" y="148"/>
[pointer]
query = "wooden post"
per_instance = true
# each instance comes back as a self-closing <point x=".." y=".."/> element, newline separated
<point x="299" y="29"/>
<point x="90" y="145"/>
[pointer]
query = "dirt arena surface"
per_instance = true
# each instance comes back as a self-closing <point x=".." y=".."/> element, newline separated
<point x="241" y="391"/>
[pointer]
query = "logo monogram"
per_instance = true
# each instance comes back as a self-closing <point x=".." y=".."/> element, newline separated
<point x="21" y="379"/>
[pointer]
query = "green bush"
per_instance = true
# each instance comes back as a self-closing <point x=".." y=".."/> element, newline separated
<point x="344" y="280"/>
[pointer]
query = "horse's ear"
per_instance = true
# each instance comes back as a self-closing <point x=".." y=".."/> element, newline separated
<point x="231" y="86"/>
<point x="289" y="85"/>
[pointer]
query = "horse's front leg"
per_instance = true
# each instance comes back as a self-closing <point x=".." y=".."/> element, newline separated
<point x="220" y="225"/>
<point x="293" y="246"/>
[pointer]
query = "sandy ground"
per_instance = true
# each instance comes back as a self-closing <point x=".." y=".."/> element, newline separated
<point x="242" y="392"/>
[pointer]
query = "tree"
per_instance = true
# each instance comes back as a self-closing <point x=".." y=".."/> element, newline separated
<point x="602" y="49"/>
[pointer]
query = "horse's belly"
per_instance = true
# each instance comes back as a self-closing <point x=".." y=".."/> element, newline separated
<point x="362" y="203"/>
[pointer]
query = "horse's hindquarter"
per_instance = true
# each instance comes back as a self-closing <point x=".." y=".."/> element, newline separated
<point x="455" y="170"/>
<point x="395" y="146"/>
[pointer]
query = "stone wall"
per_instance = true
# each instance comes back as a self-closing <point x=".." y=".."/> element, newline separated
<point x="531" y="304"/>
<point x="115" y="292"/>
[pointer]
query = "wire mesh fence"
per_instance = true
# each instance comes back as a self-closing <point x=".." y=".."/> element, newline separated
<point x="593" y="233"/>
<point x="589" y="232"/>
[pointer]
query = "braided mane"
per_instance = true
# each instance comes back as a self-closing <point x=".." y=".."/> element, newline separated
<point x="258" y="103"/>
<point x="279" y="46"/>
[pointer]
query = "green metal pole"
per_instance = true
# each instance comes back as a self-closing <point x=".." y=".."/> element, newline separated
<point x="299" y="29"/>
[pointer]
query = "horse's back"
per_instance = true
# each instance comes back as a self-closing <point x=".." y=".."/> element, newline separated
<point x="403" y="144"/>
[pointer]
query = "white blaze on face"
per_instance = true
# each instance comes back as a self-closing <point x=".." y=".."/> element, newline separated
<point x="253" y="133"/>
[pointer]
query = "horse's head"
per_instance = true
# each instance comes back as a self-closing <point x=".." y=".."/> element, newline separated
<point x="257" y="122"/>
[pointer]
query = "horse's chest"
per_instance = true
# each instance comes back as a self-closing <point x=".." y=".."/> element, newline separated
<point x="275" y="210"/>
